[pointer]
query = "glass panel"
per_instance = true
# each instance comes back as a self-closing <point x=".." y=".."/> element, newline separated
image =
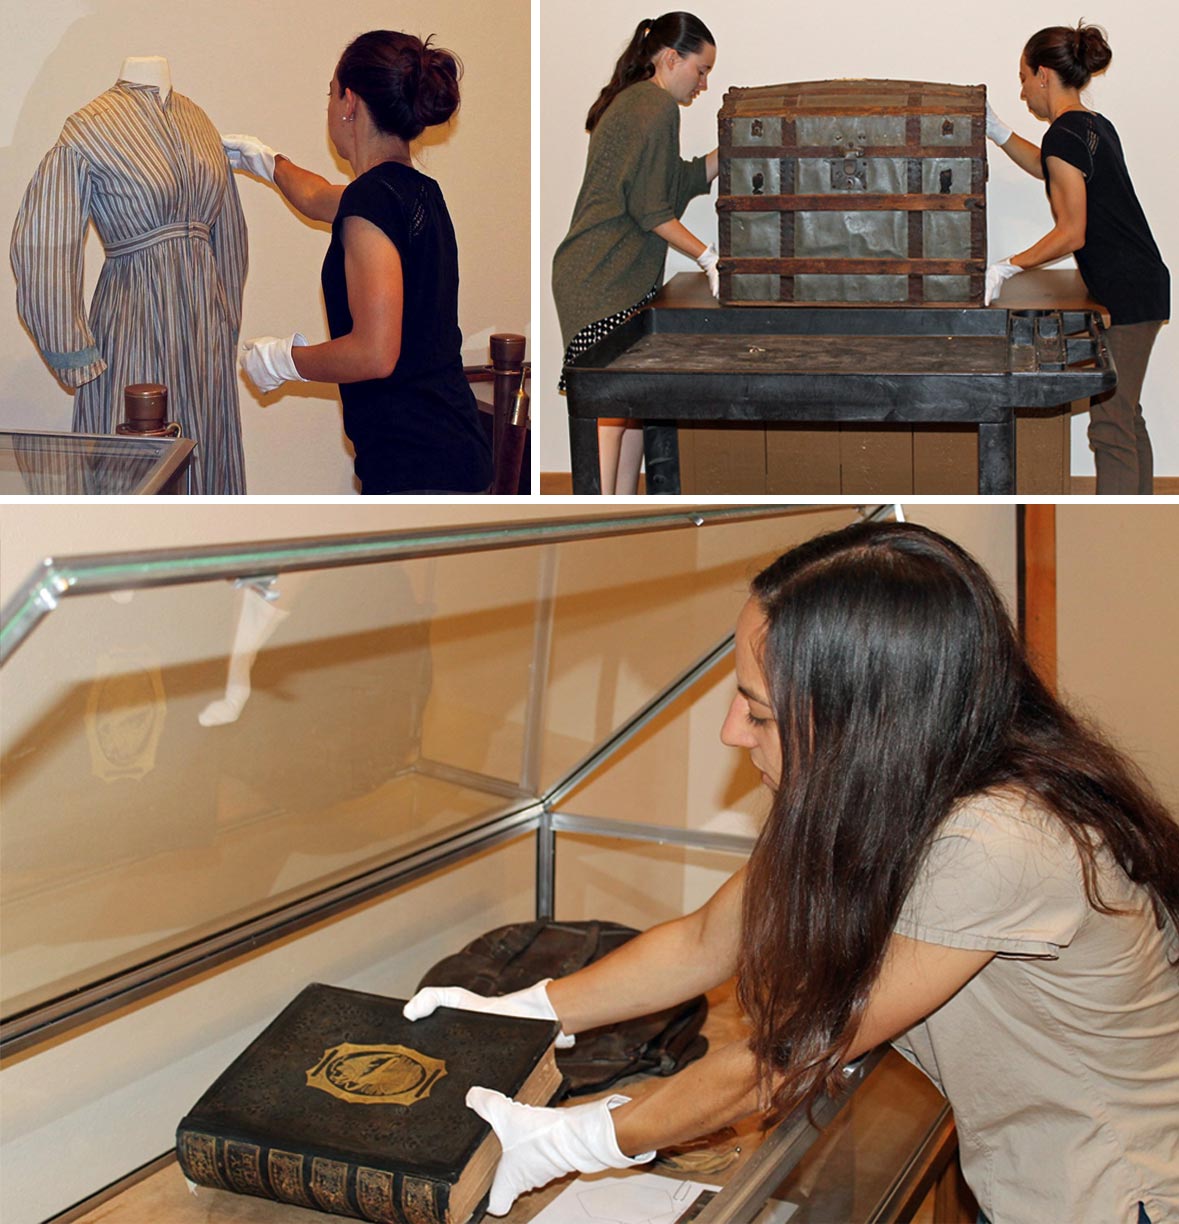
<point x="632" y="614"/>
<point x="853" y="1170"/>
<point x="197" y="755"/>
<point x="179" y="760"/>
<point x="636" y="883"/>
<point x="715" y="788"/>
<point x="76" y="464"/>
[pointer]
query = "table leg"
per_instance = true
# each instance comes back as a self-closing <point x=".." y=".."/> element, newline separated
<point x="996" y="456"/>
<point x="661" y="450"/>
<point x="583" y="455"/>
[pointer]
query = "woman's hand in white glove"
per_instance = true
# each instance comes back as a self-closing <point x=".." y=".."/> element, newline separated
<point x="531" y="1004"/>
<point x="268" y="363"/>
<point x="249" y="153"/>
<point x="707" y="259"/>
<point x="540" y="1144"/>
<point x="996" y="275"/>
<point x="997" y="130"/>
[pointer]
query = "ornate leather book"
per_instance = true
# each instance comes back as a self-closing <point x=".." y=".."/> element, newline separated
<point x="342" y="1105"/>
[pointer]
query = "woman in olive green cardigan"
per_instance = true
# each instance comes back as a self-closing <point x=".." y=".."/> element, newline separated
<point x="635" y="189"/>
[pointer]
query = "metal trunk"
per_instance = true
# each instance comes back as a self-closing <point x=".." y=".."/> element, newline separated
<point x="853" y="192"/>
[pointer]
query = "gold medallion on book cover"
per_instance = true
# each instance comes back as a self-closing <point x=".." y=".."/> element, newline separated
<point x="376" y="1074"/>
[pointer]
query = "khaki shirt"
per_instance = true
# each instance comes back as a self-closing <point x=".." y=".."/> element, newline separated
<point x="1061" y="1057"/>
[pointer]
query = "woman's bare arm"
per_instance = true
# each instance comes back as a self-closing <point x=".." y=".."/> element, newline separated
<point x="372" y="266"/>
<point x="917" y="978"/>
<point x="676" y="234"/>
<point x="663" y="966"/>
<point x="1025" y="154"/>
<point x="1067" y="194"/>
<point x="308" y="193"/>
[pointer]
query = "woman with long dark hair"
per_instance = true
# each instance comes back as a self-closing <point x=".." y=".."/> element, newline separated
<point x="390" y="276"/>
<point x="1097" y="218"/>
<point x="952" y="861"/>
<point x="627" y="214"/>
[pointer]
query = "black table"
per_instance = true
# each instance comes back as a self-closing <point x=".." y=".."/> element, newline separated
<point x="908" y="365"/>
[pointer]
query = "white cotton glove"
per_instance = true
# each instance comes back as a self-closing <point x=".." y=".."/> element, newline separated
<point x="996" y="275"/>
<point x="268" y="363"/>
<point x="707" y="260"/>
<point x="531" y="1004"/>
<point x="249" y="153"/>
<point x="997" y="130"/>
<point x="540" y="1144"/>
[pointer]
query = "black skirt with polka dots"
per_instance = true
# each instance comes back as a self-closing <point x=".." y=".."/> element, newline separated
<point x="593" y="332"/>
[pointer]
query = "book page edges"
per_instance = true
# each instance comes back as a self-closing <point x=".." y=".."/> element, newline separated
<point x="538" y="1089"/>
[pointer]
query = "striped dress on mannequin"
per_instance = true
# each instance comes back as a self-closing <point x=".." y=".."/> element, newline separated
<point x="154" y="179"/>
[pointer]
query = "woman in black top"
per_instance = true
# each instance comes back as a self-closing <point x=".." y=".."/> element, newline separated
<point x="390" y="277"/>
<point x="1099" y="220"/>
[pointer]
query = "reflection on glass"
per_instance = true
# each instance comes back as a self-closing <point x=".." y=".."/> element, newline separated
<point x="61" y="464"/>
<point x="130" y="826"/>
<point x="178" y="760"/>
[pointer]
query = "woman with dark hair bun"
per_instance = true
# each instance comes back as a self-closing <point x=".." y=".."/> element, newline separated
<point x="627" y="214"/>
<point x="390" y="277"/>
<point x="952" y="861"/>
<point x="1099" y="220"/>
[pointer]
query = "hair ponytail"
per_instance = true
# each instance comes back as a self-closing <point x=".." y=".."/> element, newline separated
<point x="682" y="32"/>
<point x="1075" y="55"/>
<point x="407" y="84"/>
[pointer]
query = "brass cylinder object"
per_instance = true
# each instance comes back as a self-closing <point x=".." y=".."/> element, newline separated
<point x="145" y="412"/>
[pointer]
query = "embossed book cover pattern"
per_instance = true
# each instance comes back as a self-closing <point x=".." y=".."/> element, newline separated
<point x="344" y="1106"/>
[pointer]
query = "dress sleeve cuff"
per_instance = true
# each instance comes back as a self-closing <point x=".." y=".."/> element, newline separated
<point x="648" y="221"/>
<point x="76" y="367"/>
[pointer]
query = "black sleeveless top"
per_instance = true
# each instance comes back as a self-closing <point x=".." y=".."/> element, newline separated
<point x="418" y="429"/>
<point x="1120" y="261"/>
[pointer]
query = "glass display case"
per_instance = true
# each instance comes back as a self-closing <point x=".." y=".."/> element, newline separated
<point x="91" y="464"/>
<point x="208" y="750"/>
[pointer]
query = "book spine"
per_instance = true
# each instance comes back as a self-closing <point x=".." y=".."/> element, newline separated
<point x="339" y="1187"/>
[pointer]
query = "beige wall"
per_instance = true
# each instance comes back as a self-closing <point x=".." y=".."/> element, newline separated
<point x="263" y="67"/>
<point x="1118" y="629"/>
<point x="762" y="42"/>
